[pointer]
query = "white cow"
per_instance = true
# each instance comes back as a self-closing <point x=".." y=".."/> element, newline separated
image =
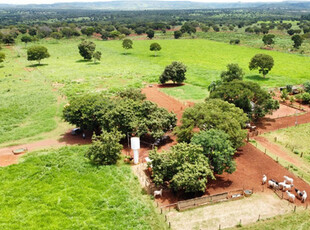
<point x="287" y="187"/>
<point x="273" y="184"/>
<point x="281" y="185"/>
<point x="288" y="179"/>
<point x="264" y="179"/>
<point x="290" y="196"/>
<point x="158" y="193"/>
<point x="304" y="197"/>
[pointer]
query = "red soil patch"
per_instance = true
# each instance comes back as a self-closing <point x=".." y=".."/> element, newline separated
<point x="7" y="157"/>
<point x="284" y="111"/>
<point x="165" y="101"/>
<point x="268" y="124"/>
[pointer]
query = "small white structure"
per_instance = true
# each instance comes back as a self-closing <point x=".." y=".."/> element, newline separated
<point x="135" y="146"/>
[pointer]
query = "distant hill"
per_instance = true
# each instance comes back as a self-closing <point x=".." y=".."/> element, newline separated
<point x="157" y="5"/>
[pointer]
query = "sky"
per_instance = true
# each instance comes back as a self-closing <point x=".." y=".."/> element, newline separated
<point x="54" y="1"/>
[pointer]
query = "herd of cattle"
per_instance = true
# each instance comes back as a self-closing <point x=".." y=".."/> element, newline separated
<point x="286" y="186"/>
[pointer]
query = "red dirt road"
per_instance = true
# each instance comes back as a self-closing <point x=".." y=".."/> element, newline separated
<point x="7" y="157"/>
<point x="165" y="101"/>
<point x="267" y="124"/>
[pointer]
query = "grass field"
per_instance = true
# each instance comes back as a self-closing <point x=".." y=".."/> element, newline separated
<point x="60" y="189"/>
<point x="32" y="96"/>
<point x="299" y="220"/>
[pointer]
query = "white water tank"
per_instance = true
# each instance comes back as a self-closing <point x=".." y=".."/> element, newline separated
<point x="135" y="146"/>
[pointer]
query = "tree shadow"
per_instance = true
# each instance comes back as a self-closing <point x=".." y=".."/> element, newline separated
<point x="170" y="85"/>
<point x="36" y="65"/>
<point x="82" y="61"/>
<point x="126" y="53"/>
<point x="1" y="66"/>
<point x="153" y="55"/>
<point x="257" y="78"/>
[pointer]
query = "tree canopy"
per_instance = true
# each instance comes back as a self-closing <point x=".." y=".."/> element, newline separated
<point x="26" y="38"/>
<point x="127" y="115"/>
<point x="184" y="167"/>
<point x="248" y="96"/>
<point x="97" y="56"/>
<point x="213" y="114"/>
<point x="127" y="44"/>
<point x="150" y="33"/>
<point x="217" y="148"/>
<point x="105" y="148"/>
<point x="234" y="72"/>
<point x="87" y="49"/>
<point x="298" y="40"/>
<point x="268" y="39"/>
<point x="262" y="62"/>
<point x="174" y="72"/>
<point x="37" y="53"/>
<point x="155" y="47"/>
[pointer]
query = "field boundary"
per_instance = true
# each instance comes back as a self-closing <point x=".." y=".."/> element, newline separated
<point x="212" y="199"/>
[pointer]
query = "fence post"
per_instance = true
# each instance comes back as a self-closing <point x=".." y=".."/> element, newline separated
<point x="306" y="206"/>
<point x="265" y="151"/>
<point x="169" y="225"/>
<point x="161" y="210"/>
<point x="240" y="223"/>
<point x="166" y="218"/>
<point x="295" y="208"/>
<point x="219" y="227"/>
<point x="258" y="217"/>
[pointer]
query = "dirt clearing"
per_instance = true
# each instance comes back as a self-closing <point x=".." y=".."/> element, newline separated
<point x="228" y="214"/>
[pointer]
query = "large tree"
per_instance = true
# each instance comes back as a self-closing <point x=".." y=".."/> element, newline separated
<point x="150" y="33"/>
<point x="155" y="47"/>
<point x="174" y="72"/>
<point x="177" y="34"/>
<point x="105" y="148"/>
<point x="128" y="114"/>
<point x="249" y="96"/>
<point x="217" y="148"/>
<point x="213" y="114"/>
<point x="298" y="40"/>
<point x="184" y="167"/>
<point x="268" y="39"/>
<point x="127" y="44"/>
<point x="262" y="62"/>
<point x="234" y="72"/>
<point x="8" y="39"/>
<point x="26" y="38"/>
<point x="87" y="49"/>
<point x="37" y="53"/>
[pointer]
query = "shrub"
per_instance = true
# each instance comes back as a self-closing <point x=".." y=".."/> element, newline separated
<point x="306" y="98"/>
<point x="105" y="149"/>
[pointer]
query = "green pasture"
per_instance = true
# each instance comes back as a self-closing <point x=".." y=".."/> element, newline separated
<point x="32" y="96"/>
<point x="299" y="220"/>
<point x="60" y="189"/>
<point x="295" y="140"/>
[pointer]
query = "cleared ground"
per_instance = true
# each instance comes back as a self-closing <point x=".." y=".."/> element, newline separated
<point x="229" y="214"/>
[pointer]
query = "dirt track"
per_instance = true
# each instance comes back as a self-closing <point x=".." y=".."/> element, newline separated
<point x="8" y="158"/>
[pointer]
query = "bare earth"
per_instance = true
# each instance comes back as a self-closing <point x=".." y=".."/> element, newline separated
<point x="228" y="214"/>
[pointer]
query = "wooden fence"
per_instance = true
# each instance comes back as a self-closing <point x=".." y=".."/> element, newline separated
<point x="207" y="200"/>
